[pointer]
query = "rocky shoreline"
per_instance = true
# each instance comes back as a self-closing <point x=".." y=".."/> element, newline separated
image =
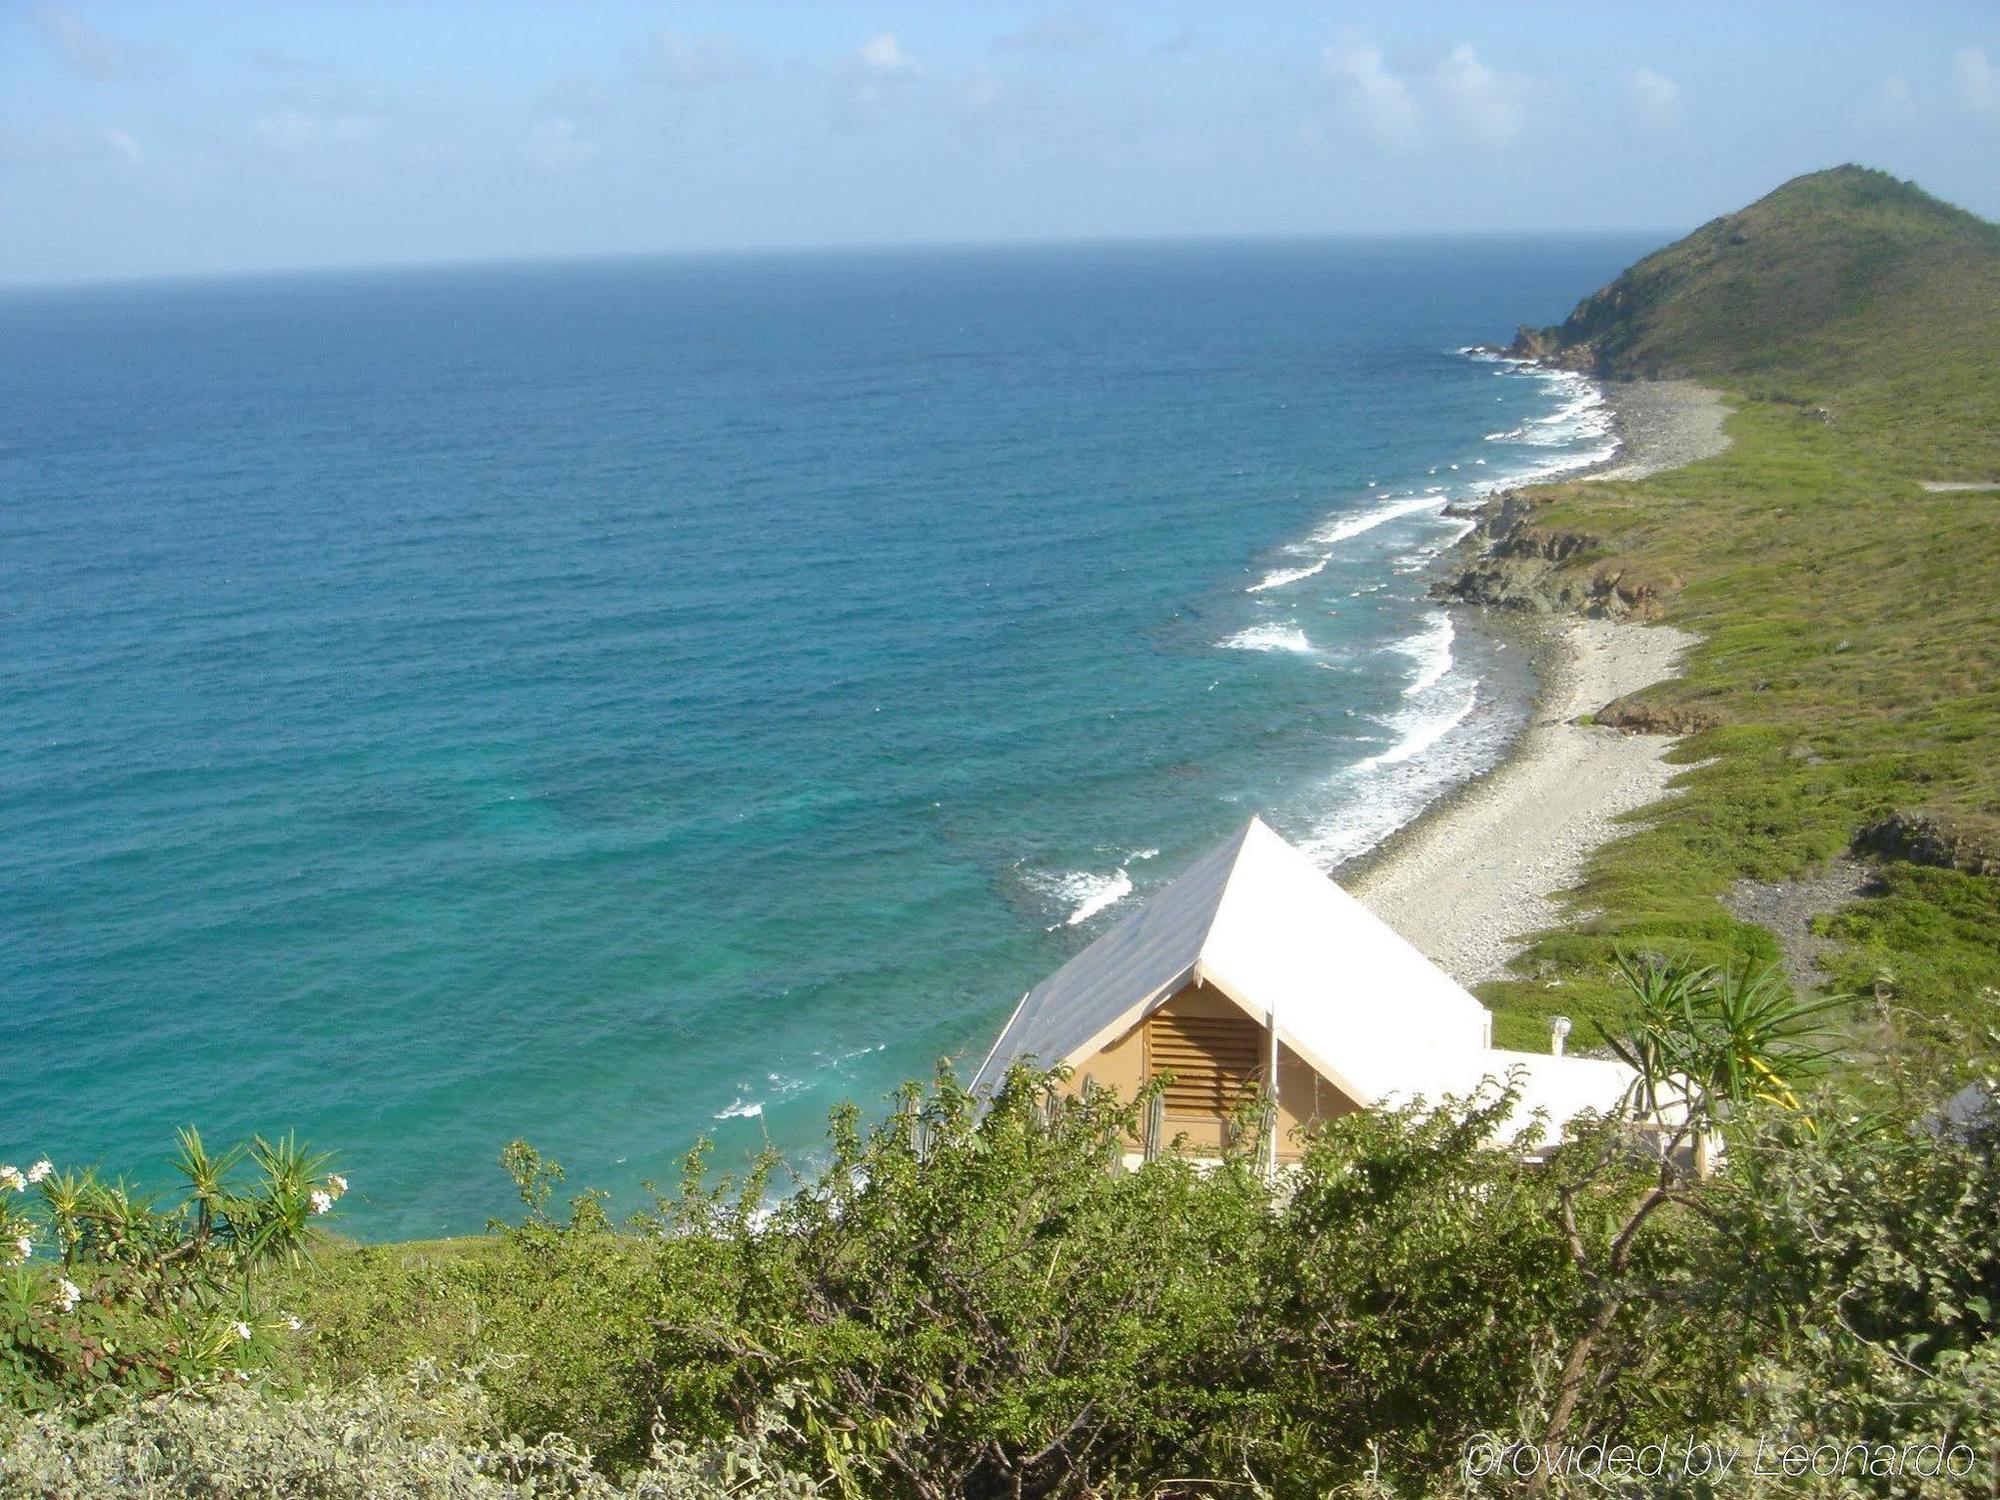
<point x="1513" y="562"/>
<point x="1486" y="866"/>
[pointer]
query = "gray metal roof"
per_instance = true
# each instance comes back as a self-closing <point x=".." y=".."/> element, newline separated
<point x="1147" y="955"/>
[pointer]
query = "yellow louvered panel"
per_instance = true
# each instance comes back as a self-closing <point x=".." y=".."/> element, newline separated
<point x="1213" y="1060"/>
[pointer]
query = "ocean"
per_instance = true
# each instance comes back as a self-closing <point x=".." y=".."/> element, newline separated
<point x="616" y="703"/>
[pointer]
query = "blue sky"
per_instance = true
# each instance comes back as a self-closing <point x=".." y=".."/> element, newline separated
<point x="161" y="137"/>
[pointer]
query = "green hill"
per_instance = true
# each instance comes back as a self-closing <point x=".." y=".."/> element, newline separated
<point x="1828" y="276"/>
<point x="1847" y="688"/>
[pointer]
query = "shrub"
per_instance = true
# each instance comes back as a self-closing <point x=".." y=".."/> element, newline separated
<point x="141" y="1298"/>
<point x="426" y="1437"/>
<point x="972" y="1300"/>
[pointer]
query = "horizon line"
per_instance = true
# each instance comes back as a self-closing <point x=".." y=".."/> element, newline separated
<point x="777" y="251"/>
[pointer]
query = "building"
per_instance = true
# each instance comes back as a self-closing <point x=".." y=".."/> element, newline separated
<point x="1254" y="965"/>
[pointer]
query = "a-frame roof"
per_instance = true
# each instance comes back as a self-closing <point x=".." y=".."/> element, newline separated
<point x="1255" y="919"/>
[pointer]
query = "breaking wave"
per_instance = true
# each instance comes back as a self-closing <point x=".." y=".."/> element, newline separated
<point x="1421" y="731"/>
<point x="1350" y="527"/>
<point x="1282" y="576"/>
<point x="1082" y="894"/>
<point x="1431" y="649"/>
<point x="1268" y="638"/>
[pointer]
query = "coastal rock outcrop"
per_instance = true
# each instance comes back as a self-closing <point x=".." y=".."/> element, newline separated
<point x="1923" y="838"/>
<point x="1555" y="348"/>
<point x="1635" y="716"/>
<point x="1519" y="565"/>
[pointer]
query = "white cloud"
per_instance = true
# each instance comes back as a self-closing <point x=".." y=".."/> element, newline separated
<point x="559" y="145"/>
<point x="92" y="52"/>
<point x="982" y="95"/>
<point x="1977" y="78"/>
<point x="1894" y="103"/>
<point x="123" y="142"/>
<point x="67" y="143"/>
<point x="884" y="54"/>
<point x="1379" y="100"/>
<point x="870" y="81"/>
<point x="1486" y="103"/>
<point x="1397" y="106"/>
<point x="1656" y="98"/>
<point x="691" y="62"/>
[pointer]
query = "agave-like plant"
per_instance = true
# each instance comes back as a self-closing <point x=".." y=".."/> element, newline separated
<point x="1713" y="1038"/>
<point x="209" y="1195"/>
<point x="147" y="1291"/>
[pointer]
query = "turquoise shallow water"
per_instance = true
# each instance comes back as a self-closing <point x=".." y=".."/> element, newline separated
<point x="610" y="703"/>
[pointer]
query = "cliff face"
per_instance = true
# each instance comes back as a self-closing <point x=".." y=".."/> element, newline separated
<point x="1547" y="346"/>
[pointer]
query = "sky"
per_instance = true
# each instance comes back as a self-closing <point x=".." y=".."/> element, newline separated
<point x="162" y="138"/>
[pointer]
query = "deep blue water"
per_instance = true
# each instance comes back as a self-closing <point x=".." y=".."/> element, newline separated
<point x="609" y="703"/>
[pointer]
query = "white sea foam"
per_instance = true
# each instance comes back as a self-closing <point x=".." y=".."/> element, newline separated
<point x="1581" y="425"/>
<point x="1342" y="529"/>
<point x="1086" y="893"/>
<point x="1348" y="527"/>
<point x="1430" y="648"/>
<point x="1271" y="637"/>
<point x="1442" y="733"/>
<point x="846" y="1057"/>
<point x="740" y="1110"/>
<point x="1283" y="576"/>
<point x="1102" y="891"/>
<point x="1421" y="731"/>
<point x="1441" y="738"/>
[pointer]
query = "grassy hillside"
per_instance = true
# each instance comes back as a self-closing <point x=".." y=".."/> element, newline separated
<point x="1849" y="669"/>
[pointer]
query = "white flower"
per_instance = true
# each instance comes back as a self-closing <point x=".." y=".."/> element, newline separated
<point x="292" y="1322"/>
<point x="337" y="1183"/>
<point x="243" y="1331"/>
<point x="68" y="1294"/>
<point x="11" y="1177"/>
<point x="322" y="1200"/>
<point x="40" y="1170"/>
<point x="23" y="1248"/>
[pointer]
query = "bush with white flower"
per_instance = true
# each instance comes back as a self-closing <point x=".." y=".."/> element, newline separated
<point x="133" y="1296"/>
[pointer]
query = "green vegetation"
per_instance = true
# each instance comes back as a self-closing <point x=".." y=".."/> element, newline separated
<point x="1850" y="659"/>
<point x="140" y="1298"/>
<point x="427" y="1436"/>
<point x="980" y="1303"/>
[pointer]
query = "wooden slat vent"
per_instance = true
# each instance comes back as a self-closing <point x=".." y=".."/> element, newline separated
<point x="1214" y="1060"/>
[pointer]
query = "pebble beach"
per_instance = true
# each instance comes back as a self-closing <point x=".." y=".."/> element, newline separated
<point x="1484" y="868"/>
